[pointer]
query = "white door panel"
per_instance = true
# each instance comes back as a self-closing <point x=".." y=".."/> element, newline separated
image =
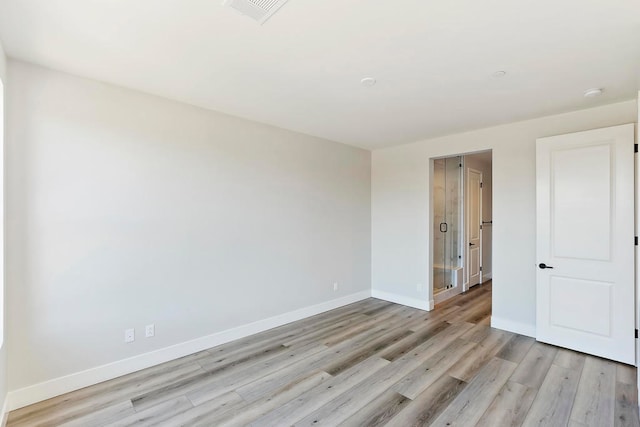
<point x="593" y="315"/>
<point x="582" y="190"/>
<point x="585" y="229"/>
<point x="474" y="224"/>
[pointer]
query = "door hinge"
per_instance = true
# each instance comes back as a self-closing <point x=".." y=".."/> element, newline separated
<point x="480" y="185"/>
<point x="635" y="148"/>
<point x="636" y="240"/>
<point x="480" y="268"/>
<point x="636" y="333"/>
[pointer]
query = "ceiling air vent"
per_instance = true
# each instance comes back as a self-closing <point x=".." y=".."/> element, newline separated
<point x="260" y="10"/>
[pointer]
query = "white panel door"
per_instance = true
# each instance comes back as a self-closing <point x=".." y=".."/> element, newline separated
<point x="474" y="226"/>
<point x="585" y="242"/>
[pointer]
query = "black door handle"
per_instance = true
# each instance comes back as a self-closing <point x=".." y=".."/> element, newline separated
<point x="471" y="244"/>
<point x="542" y="266"/>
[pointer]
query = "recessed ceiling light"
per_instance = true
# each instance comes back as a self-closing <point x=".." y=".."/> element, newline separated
<point x="499" y="74"/>
<point x="591" y="93"/>
<point x="368" y="81"/>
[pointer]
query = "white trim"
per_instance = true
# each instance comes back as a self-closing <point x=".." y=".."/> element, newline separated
<point x="467" y="225"/>
<point x="4" y="415"/>
<point x="401" y="299"/>
<point x="636" y="190"/>
<point x="637" y="252"/>
<point x="486" y="277"/>
<point x="446" y="294"/>
<point x="511" y="326"/>
<point x="57" y="386"/>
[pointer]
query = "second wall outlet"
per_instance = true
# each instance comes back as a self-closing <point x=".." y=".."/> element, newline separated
<point x="149" y="330"/>
<point x="129" y="335"/>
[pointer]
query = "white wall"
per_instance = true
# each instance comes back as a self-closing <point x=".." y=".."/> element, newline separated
<point x="400" y="209"/>
<point x="3" y="346"/>
<point x="126" y="209"/>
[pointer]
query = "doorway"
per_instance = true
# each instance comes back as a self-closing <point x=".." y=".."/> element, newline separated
<point x="462" y="223"/>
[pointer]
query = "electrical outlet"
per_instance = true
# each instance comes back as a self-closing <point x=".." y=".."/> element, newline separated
<point x="129" y="335"/>
<point x="335" y="286"/>
<point x="150" y="330"/>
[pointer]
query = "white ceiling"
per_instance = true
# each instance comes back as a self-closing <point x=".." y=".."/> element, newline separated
<point x="433" y="59"/>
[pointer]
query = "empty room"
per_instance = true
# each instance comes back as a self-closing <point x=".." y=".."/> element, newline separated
<point x="323" y="213"/>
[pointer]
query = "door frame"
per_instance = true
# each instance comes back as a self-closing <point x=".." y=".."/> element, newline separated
<point x="636" y="165"/>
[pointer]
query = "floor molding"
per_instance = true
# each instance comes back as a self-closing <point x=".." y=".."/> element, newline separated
<point x="5" y="412"/>
<point x="248" y="392"/>
<point x="401" y="299"/>
<point x="446" y="294"/>
<point x="511" y="326"/>
<point x="57" y="386"/>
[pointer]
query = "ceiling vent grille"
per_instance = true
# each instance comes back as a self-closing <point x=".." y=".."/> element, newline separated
<point x="259" y="10"/>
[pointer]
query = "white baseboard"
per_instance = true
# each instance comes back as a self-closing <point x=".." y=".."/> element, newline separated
<point x="57" y="386"/>
<point x="400" y="299"/>
<point x="446" y="294"/>
<point x="511" y="326"/>
<point x="486" y="276"/>
<point x="5" y="412"/>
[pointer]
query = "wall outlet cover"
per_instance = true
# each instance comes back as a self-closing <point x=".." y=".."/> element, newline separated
<point x="129" y="335"/>
<point x="150" y="331"/>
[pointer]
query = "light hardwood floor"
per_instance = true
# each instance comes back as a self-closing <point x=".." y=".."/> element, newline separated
<point x="366" y="364"/>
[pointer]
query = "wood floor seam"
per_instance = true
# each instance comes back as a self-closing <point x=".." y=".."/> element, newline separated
<point x="370" y="363"/>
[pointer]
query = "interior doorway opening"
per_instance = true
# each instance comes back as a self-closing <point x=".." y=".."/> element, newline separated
<point x="462" y="226"/>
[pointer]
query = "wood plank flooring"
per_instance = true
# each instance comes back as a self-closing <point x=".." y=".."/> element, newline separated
<point x="367" y="364"/>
